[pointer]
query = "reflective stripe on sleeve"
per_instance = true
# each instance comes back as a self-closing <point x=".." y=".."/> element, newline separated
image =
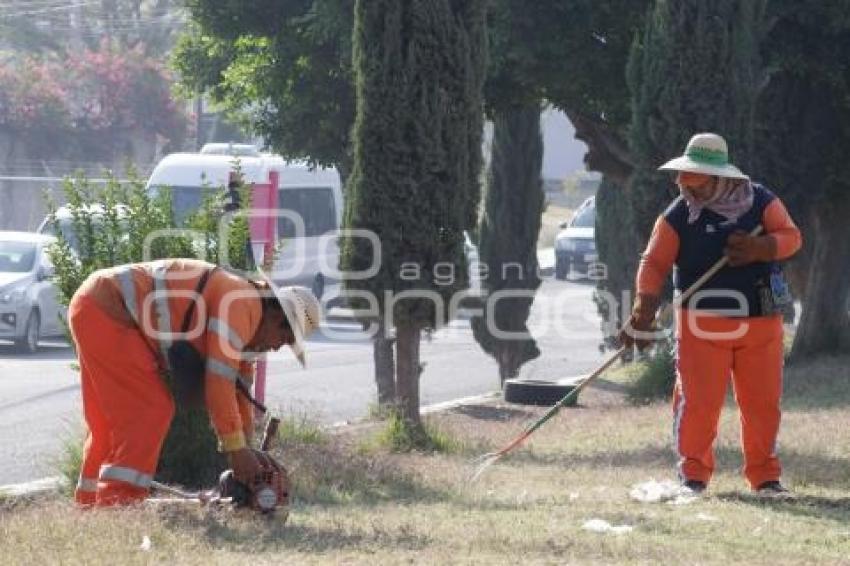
<point x="162" y="312"/>
<point x="86" y="484"/>
<point x="222" y="329"/>
<point x="127" y="475"/>
<point x="128" y="291"/>
<point x="222" y="369"/>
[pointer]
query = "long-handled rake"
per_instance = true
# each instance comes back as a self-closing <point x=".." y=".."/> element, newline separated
<point x="485" y="461"/>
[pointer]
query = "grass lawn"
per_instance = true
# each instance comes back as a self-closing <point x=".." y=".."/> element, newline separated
<point x="359" y="504"/>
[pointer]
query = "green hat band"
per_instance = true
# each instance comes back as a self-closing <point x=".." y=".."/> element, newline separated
<point x="708" y="156"/>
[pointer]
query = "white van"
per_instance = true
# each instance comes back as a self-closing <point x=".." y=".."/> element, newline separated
<point x="313" y="195"/>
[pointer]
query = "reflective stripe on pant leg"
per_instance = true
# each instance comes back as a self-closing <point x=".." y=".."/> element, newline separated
<point x="89" y="326"/>
<point x="136" y="405"/>
<point x="126" y="475"/>
<point x="86" y="491"/>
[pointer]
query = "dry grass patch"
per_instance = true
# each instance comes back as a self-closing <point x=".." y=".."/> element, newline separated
<point x="378" y="507"/>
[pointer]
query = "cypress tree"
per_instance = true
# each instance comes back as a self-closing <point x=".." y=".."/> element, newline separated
<point x="618" y="249"/>
<point x="508" y="231"/>
<point x="418" y="72"/>
<point x="803" y="138"/>
<point x="694" y="68"/>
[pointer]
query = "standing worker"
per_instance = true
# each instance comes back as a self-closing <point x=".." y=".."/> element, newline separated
<point x="126" y="324"/>
<point x="733" y="325"/>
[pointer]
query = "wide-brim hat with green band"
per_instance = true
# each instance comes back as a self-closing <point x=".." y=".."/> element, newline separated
<point x="707" y="154"/>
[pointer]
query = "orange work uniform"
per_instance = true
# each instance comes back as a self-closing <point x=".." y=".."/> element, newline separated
<point x="712" y="344"/>
<point x="122" y="320"/>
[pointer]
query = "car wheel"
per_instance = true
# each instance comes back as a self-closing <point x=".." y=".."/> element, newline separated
<point x="318" y="287"/>
<point x="537" y="392"/>
<point x="28" y="343"/>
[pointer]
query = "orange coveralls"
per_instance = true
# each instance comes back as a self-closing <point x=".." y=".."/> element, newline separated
<point x="754" y="359"/>
<point x="115" y="318"/>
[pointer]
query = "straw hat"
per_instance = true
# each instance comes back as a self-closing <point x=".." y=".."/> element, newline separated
<point x="708" y="154"/>
<point x="302" y="310"/>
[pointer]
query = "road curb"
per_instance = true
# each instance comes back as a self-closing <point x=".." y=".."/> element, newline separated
<point x="54" y="484"/>
<point x="32" y="488"/>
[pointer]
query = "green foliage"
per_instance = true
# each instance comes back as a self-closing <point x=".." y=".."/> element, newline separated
<point x="618" y="250"/>
<point x="114" y="224"/>
<point x="508" y="232"/>
<point x="301" y="429"/>
<point x="109" y="225"/>
<point x="190" y="455"/>
<point x="657" y="375"/>
<point x="70" y="462"/>
<point x="572" y="53"/>
<point x="696" y="67"/>
<point x="280" y="69"/>
<point x="399" y="435"/>
<point x="417" y="124"/>
<point x="803" y="136"/>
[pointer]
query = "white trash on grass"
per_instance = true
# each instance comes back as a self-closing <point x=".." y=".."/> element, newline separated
<point x="603" y="526"/>
<point x="666" y="491"/>
<point x="146" y="543"/>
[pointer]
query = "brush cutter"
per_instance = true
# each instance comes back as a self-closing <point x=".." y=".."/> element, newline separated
<point x="267" y="494"/>
<point x="485" y="461"/>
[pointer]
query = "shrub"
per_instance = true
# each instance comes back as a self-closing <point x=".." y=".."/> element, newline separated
<point x="115" y="233"/>
<point x="301" y="429"/>
<point x="399" y="435"/>
<point x="657" y="377"/>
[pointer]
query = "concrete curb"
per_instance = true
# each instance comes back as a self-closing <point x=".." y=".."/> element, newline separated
<point x="29" y="489"/>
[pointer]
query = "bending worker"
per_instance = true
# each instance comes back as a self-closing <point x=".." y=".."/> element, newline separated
<point x="733" y="325"/>
<point x="125" y="322"/>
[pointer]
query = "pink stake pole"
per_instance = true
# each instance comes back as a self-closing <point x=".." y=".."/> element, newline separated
<point x="263" y="230"/>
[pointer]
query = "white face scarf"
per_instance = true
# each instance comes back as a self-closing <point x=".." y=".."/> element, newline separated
<point x="731" y="199"/>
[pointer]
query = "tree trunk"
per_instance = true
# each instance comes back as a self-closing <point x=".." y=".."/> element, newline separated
<point x="409" y="369"/>
<point x="825" y="324"/>
<point x="508" y="362"/>
<point x="607" y="151"/>
<point x="382" y="349"/>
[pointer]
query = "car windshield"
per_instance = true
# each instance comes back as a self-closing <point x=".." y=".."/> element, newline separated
<point x="585" y="218"/>
<point x="17" y="257"/>
<point x="315" y="206"/>
<point x="187" y="200"/>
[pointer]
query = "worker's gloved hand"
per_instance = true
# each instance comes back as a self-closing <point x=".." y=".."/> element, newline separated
<point x="643" y="315"/>
<point x="743" y="249"/>
<point x="246" y="466"/>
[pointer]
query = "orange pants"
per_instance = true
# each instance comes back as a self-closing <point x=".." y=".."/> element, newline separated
<point x="127" y="407"/>
<point x="754" y="359"/>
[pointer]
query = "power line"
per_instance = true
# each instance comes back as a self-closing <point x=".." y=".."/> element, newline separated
<point x="51" y="9"/>
<point x="33" y="4"/>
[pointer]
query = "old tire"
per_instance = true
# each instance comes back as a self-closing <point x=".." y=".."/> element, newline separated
<point x="537" y="392"/>
<point x="28" y="343"/>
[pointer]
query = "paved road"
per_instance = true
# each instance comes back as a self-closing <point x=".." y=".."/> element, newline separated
<point x="40" y="395"/>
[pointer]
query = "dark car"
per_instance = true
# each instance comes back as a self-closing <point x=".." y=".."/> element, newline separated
<point x="575" y="246"/>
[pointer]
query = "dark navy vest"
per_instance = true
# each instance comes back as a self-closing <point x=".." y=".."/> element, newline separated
<point x="701" y="245"/>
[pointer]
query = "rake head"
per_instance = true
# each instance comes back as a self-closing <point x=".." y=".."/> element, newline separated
<point x="482" y="463"/>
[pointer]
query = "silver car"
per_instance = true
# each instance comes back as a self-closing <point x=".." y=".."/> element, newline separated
<point x="29" y="306"/>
